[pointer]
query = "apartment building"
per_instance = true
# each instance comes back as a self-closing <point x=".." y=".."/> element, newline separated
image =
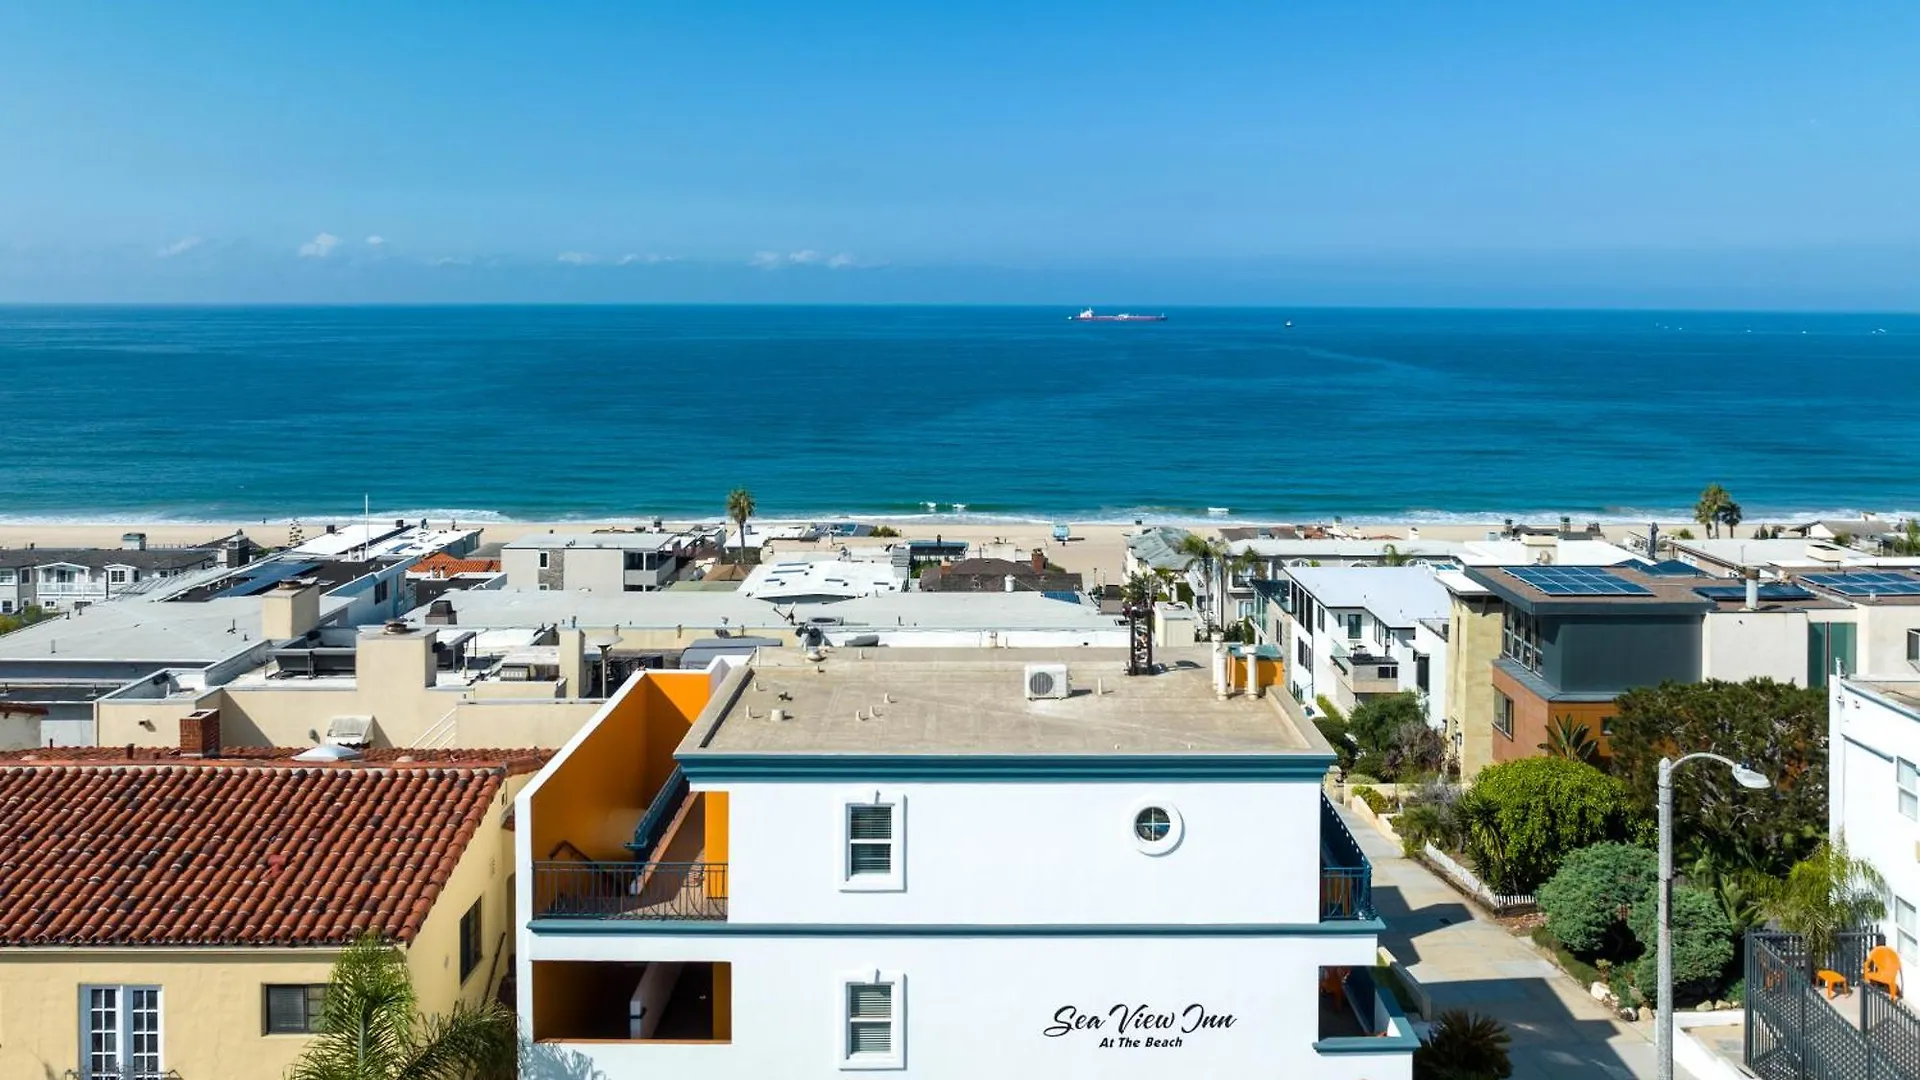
<point x="1873" y="792"/>
<point x="596" y="562"/>
<point x="1350" y="634"/>
<point x="801" y="866"/>
<point x="176" y="912"/>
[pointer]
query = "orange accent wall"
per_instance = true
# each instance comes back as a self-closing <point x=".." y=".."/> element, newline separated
<point x="596" y="796"/>
<point x="1532" y="714"/>
<point x="716" y="809"/>
<point x="723" y="1002"/>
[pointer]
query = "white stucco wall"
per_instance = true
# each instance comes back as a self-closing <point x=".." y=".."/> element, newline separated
<point x="980" y="1006"/>
<point x="1032" y="853"/>
<point x="1741" y="645"/>
<point x="1866" y="734"/>
<point x="1433" y="646"/>
<point x="1883" y="640"/>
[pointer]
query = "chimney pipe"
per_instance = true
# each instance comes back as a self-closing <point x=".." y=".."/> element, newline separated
<point x="1753" y="589"/>
<point x="200" y="734"/>
<point x="1039" y="561"/>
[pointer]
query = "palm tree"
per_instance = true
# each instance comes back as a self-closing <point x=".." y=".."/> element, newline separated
<point x="1825" y="894"/>
<point x="1707" y="510"/>
<point x="1908" y="542"/>
<point x="1393" y="556"/>
<point x="1139" y="590"/>
<point x="1569" y="738"/>
<point x="371" y="1031"/>
<point x="739" y="509"/>
<point x="1729" y="515"/>
<point x="1464" y="1046"/>
<point x="1211" y="552"/>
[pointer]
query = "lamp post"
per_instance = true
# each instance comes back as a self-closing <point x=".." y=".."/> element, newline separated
<point x="1663" y="1004"/>
<point x="604" y="640"/>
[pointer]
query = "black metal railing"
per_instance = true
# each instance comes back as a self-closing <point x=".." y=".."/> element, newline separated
<point x="659" y="812"/>
<point x="1794" y="1031"/>
<point x="1346" y="878"/>
<point x="629" y="890"/>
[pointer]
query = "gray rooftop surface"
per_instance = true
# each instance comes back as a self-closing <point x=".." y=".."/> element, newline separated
<point x="1396" y="595"/>
<point x="946" y="701"/>
<point x="140" y="628"/>
<point x="624" y="541"/>
<point x="675" y="607"/>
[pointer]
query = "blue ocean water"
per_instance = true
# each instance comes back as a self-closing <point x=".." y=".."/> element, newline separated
<point x="540" y="412"/>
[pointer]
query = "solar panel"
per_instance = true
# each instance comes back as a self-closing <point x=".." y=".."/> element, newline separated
<point x="1672" y="568"/>
<point x="1867" y="583"/>
<point x="1578" y="581"/>
<point x="1772" y="590"/>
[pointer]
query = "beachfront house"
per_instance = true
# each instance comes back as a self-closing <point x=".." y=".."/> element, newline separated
<point x="69" y="579"/>
<point x="1873" y="793"/>
<point x="177" y="912"/>
<point x="595" y="562"/>
<point x="1354" y="633"/>
<point x="780" y="868"/>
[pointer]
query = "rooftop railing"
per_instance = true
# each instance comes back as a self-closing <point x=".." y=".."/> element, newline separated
<point x="1346" y="878"/>
<point x="629" y="890"/>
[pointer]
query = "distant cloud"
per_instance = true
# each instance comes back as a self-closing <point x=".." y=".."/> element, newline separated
<point x="451" y="260"/>
<point x="648" y="260"/>
<point x="178" y="247"/>
<point x="576" y="258"/>
<point x="376" y="240"/>
<point x="320" y="246"/>
<point x="774" y="260"/>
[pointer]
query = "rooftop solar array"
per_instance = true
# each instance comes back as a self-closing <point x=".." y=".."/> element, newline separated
<point x="1577" y="581"/>
<point x="1672" y="568"/>
<point x="1867" y="583"/>
<point x="1772" y="590"/>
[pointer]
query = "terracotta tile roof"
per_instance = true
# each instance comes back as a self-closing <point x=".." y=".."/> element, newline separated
<point x="231" y="851"/>
<point x="441" y="564"/>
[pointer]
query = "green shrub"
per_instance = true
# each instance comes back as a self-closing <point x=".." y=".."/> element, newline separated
<point x="1464" y="1046"/>
<point x="1521" y="818"/>
<point x="1370" y="763"/>
<point x="1375" y="801"/>
<point x="1429" y="816"/>
<point x="1702" y="942"/>
<point x="1588" y="899"/>
<point x="1584" y="973"/>
<point x="1331" y="711"/>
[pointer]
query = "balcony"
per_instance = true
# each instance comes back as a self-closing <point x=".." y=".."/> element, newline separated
<point x="1346" y="878"/>
<point x="1363" y="672"/>
<point x="634" y="891"/>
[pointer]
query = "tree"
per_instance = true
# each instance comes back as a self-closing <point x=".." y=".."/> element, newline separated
<point x="1393" y="556"/>
<point x="1707" y="510"/>
<point x="1377" y="722"/>
<point x="370" y="1029"/>
<point x="1825" y="894"/>
<point x="1728" y="515"/>
<point x="1683" y="534"/>
<point x="1521" y="818"/>
<point x="1908" y="542"/>
<point x="1569" y="738"/>
<point x="1776" y="726"/>
<point x="1702" y="942"/>
<point x="1210" y="553"/>
<point x="1464" y="1046"/>
<point x="1588" y="899"/>
<point x="739" y="509"/>
<point x="1140" y="590"/>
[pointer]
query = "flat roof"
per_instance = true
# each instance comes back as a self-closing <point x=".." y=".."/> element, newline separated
<point x="1396" y="595"/>
<point x="1349" y="549"/>
<point x="970" y="701"/>
<point x="684" y="608"/>
<point x="1905" y="694"/>
<point x="623" y="541"/>
<point x="143" y="629"/>
<point x="1565" y="552"/>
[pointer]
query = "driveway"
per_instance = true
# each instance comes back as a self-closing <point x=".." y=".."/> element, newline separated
<point x="1466" y="961"/>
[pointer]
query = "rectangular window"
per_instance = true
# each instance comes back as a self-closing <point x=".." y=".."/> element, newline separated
<point x="470" y="941"/>
<point x="1422" y="672"/>
<point x="6" y="577"/>
<point x="543" y="559"/>
<point x="873" y="846"/>
<point x="1503" y="714"/>
<point x="293" y="1010"/>
<point x="121" y="1032"/>
<point x="1907" y="928"/>
<point x="1908" y="779"/>
<point x="1606" y="727"/>
<point x="380" y="592"/>
<point x="1353" y="626"/>
<point x="1320" y="618"/>
<point x="116" y="577"/>
<point x="874" y="1032"/>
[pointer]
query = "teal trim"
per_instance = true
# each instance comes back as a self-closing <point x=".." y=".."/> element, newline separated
<point x="1368" y="1044"/>
<point x="707" y="767"/>
<point x="654" y="927"/>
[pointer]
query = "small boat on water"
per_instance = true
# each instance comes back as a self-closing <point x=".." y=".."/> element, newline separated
<point x="1089" y="316"/>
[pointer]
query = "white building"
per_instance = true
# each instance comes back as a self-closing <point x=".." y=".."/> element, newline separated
<point x="1353" y="633"/>
<point x="1873" y="792"/>
<point x="944" y="864"/>
<point x="595" y="562"/>
<point x="824" y="578"/>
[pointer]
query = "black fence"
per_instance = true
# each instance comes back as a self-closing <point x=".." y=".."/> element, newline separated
<point x="1794" y="1031"/>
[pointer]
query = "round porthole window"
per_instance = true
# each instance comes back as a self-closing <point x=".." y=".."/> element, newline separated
<point x="1156" y="827"/>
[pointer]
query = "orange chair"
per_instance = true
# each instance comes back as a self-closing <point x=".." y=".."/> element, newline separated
<point x="1882" y="969"/>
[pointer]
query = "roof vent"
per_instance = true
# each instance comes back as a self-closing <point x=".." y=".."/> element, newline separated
<point x="328" y="753"/>
<point x="394" y="626"/>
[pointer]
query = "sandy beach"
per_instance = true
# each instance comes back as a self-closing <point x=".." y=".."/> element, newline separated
<point x="1097" y="551"/>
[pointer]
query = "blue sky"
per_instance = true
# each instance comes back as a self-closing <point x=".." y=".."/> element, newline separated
<point x="1726" y="154"/>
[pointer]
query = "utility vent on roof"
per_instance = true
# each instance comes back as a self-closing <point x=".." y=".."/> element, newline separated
<point x="326" y="752"/>
<point x="355" y="731"/>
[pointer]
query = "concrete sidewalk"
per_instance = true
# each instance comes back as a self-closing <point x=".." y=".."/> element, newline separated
<point x="1465" y="961"/>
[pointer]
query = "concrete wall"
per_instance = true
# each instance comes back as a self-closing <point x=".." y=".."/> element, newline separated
<point x="484" y="873"/>
<point x="1249" y="853"/>
<point x="1474" y="627"/>
<point x="600" y="570"/>
<point x="211" y="1005"/>
<point x="1883" y="639"/>
<point x="1867" y="735"/>
<point x="1434" y="647"/>
<point x="1740" y="645"/>
<point x="983" y="1006"/>
<point x="19" y="730"/>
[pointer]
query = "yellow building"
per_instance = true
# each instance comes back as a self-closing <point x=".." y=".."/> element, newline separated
<point x="176" y="912"/>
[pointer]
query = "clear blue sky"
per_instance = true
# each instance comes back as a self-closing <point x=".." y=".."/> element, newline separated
<point x="1729" y="154"/>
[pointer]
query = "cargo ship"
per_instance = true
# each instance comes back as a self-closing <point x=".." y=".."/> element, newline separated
<point x="1089" y="316"/>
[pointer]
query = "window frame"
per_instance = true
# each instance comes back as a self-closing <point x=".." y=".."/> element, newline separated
<point x="1908" y="799"/>
<point x="1168" y="841"/>
<point x="1906" y="934"/>
<point x="546" y="560"/>
<point x="896" y="1056"/>
<point x="470" y="958"/>
<point x="1503" y="711"/>
<point x="123" y="1009"/>
<point x="895" y="879"/>
<point x="1356" y="624"/>
<point x="310" y="1014"/>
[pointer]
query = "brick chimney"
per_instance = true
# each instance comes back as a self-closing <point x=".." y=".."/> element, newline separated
<point x="1039" y="561"/>
<point x="200" y="734"/>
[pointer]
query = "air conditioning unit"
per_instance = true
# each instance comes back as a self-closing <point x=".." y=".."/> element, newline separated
<point x="1046" y="681"/>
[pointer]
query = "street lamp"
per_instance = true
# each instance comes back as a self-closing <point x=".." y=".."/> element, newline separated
<point x="604" y="640"/>
<point x="1663" y="1004"/>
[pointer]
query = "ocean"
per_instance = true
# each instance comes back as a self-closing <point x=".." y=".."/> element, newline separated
<point x="540" y="413"/>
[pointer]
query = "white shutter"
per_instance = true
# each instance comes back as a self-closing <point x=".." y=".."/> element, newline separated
<point x="869" y="1019"/>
